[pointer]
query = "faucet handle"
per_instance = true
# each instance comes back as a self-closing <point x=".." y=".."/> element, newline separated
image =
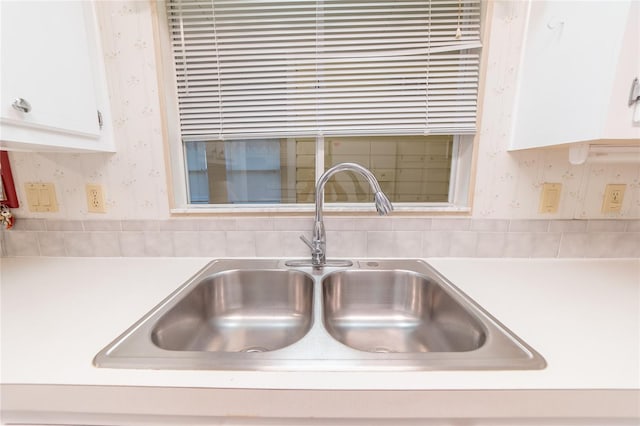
<point x="316" y="246"/>
<point x="307" y="242"/>
<point x="317" y="251"/>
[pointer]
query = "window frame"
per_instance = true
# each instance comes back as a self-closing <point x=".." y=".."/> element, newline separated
<point x="462" y="162"/>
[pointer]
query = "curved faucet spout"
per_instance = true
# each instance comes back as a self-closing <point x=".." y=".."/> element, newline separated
<point x="383" y="205"/>
<point x="318" y="241"/>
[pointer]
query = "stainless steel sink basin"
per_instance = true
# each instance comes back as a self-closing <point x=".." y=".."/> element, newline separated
<point x="397" y="311"/>
<point x="267" y="315"/>
<point x="239" y="311"/>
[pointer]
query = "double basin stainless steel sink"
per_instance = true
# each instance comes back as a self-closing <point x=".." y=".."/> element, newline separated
<point x="260" y="314"/>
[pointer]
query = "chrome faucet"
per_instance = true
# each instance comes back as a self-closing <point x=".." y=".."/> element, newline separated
<point x="318" y="243"/>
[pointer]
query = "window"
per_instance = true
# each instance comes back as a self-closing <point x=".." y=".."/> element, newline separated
<point x="271" y="93"/>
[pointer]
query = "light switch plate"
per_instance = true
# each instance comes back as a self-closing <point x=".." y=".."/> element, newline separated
<point x="550" y="198"/>
<point x="41" y="197"/>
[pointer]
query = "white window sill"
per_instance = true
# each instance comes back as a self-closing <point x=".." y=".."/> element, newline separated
<point x="309" y="208"/>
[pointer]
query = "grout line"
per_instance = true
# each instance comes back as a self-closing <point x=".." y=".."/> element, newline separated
<point x="557" y="254"/>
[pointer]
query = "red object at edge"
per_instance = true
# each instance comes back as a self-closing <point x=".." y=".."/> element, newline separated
<point x="7" y="181"/>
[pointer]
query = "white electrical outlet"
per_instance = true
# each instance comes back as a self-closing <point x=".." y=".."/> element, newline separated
<point x="95" y="199"/>
<point x="613" y="197"/>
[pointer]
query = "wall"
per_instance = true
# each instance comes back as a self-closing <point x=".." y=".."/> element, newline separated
<point x="134" y="178"/>
<point x="508" y="183"/>
<point x="506" y="190"/>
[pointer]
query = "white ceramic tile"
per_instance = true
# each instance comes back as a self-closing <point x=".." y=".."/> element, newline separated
<point x="21" y="243"/>
<point x="573" y="244"/>
<point x="633" y="225"/>
<point x="493" y="225"/>
<point x="178" y="225"/>
<point x="217" y="224"/>
<point x="519" y="244"/>
<point x="410" y="223"/>
<point x="64" y="225"/>
<point x="132" y="243"/>
<point x="254" y="224"/>
<point x="629" y="246"/>
<point x="346" y="244"/>
<point x="463" y="244"/>
<point x="186" y="243"/>
<point x="241" y="243"/>
<point x="292" y="246"/>
<point x="158" y="243"/>
<point x="490" y="244"/>
<point x="78" y="244"/>
<point x="51" y="243"/>
<point x="26" y="224"/>
<point x="527" y="225"/>
<point x="546" y="244"/>
<point x="612" y="244"/>
<point x="280" y="244"/>
<point x="358" y="223"/>
<point x="332" y="223"/>
<point x="606" y="226"/>
<point x="407" y="244"/>
<point x="105" y="244"/>
<point x="140" y="225"/>
<point x="454" y="224"/>
<point x="269" y="243"/>
<point x="212" y="243"/>
<point x="377" y="223"/>
<point x="301" y="224"/>
<point x="381" y="244"/>
<point x="436" y="243"/>
<point x="568" y="226"/>
<point x="102" y="225"/>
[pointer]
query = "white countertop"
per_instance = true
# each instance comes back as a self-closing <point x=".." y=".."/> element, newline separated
<point x="583" y="316"/>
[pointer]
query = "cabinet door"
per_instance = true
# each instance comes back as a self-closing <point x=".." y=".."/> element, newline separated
<point x="570" y="77"/>
<point x="46" y="61"/>
<point x="621" y="123"/>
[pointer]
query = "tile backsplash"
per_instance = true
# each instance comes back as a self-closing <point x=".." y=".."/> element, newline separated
<point x="346" y="237"/>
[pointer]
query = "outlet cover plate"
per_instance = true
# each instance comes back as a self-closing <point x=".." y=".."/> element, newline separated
<point x="613" y="197"/>
<point x="95" y="199"/>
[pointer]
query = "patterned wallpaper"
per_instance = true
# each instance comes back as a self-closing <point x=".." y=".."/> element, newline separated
<point x="134" y="179"/>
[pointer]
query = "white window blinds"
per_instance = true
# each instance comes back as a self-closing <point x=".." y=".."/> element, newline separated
<point x="259" y="68"/>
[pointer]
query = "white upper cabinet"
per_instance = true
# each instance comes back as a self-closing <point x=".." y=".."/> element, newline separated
<point x="578" y="63"/>
<point x="53" y="93"/>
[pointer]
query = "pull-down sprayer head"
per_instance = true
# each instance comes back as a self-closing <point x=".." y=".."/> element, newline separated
<point x="318" y="242"/>
<point x="383" y="205"/>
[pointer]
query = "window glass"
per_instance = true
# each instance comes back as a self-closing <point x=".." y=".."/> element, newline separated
<point x="254" y="171"/>
<point x="410" y="169"/>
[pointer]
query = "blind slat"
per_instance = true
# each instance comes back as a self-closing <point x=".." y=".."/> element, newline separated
<point x="274" y="68"/>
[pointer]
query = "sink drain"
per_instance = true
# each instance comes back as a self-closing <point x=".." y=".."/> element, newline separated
<point x="254" y="349"/>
